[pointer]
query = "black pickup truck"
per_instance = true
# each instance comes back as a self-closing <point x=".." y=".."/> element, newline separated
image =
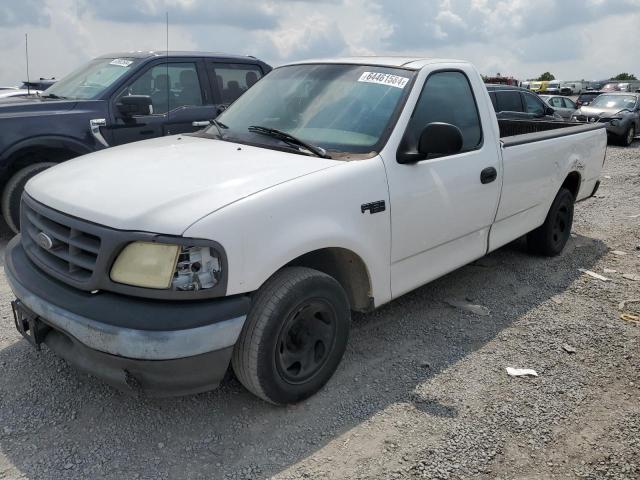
<point x="112" y="100"/>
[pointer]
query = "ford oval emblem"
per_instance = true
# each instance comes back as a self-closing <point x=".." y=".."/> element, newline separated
<point x="44" y="241"/>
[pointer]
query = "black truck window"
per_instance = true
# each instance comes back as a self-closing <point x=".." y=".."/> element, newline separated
<point x="509" y="101"/>
<point x="169" y="87"/>
<point x="233" y="79"/>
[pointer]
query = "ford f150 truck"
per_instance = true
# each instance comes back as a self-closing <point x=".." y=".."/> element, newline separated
<point x="330" y="186"/>
<point x="114" y="99"/>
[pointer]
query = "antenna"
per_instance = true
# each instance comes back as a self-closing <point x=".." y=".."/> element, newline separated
<point x="26" y="51"/>
<point x="168" y="79"/>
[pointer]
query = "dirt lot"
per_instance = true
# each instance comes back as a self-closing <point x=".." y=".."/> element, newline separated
<point x="422" y="391"/>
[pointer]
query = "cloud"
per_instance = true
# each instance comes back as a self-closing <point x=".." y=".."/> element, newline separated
<point x="434" y="23"/>
<point x="243" y="14"/>
<point x="24" y="12"/>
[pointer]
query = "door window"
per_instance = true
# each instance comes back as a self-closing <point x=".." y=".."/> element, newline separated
<point x="568" y="103"/>
<point x="509" y="101"/>
<point x="232" y="80"/>
<point x="533" y="104"/>
<point x="170" y="86"/>
<point x="556" y="102"/>
<point x="447" y="97"/>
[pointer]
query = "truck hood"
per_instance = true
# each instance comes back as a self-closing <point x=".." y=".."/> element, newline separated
<point x="590" y="111"/>
<point x="164" y="185"/>
<point x="13" y="106"/>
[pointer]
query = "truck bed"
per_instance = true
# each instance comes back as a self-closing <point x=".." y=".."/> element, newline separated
<point x="518" y="132"/>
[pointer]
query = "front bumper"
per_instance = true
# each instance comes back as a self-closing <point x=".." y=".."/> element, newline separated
<point x="161" y="348"/>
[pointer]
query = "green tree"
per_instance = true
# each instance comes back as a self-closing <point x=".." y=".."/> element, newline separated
<point x="624" y="76"/>
<point x="546" y="77"/>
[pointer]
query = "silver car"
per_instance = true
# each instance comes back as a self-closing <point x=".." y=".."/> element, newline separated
<point x="561" y="105"/>
<point x="620" y="111"/>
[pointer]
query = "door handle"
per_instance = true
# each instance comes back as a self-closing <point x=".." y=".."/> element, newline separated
<point x="488" y="175"/>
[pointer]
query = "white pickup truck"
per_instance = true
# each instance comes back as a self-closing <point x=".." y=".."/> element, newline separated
<point x="330" y="186"/>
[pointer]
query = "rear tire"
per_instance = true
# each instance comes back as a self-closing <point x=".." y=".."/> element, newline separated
<point x="550" y="238"/>
<point x="12" y="193"/>
<point x="294" y="336"/>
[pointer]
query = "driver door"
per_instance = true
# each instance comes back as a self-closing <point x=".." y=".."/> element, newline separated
<point x="442" y="207"/>
<point x="179" y="97"/>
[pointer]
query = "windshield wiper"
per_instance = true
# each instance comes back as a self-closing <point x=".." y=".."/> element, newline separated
<point x="219" y="126"/>
<point x="290" y="139"/>
<point x="53" y="95"/>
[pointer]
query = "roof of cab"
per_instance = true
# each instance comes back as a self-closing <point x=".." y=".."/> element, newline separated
<point x="412" y="63"/>
<point x="173" y="53"/>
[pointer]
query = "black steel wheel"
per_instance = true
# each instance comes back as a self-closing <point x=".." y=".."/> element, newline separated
<point x="550" y="238"/>
<point x="294" y="336"/>
<point x="306" y="339"/>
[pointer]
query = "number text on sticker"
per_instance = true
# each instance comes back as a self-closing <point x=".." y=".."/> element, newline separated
<point x="384" y="79"/>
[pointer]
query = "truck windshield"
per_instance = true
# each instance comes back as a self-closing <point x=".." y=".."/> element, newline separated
<point x="615" y="101"/>
<point x="340" y="108"/>
<point x="91" y="80"/>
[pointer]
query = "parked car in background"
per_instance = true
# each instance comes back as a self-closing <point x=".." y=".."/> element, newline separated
<point x="585" y="98"/>
<point x="619" y="111"/>
<point x="573" y="87"/>
<point x="535" y="86"/>
<point x="630" y="86"/>
<point x="112" y="100"/>
<point x="563" y="106"/>
<point x="553" y="87"/>
<point x="518" y="103"/>
<point x="526" y="85"/>
<point x="332" y="186"/>
<point x="41" y="85"/>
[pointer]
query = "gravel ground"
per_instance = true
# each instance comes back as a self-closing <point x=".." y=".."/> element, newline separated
<point x="422" y="391"/>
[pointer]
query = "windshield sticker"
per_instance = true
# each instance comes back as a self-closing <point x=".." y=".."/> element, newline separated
<point x="384" y="79"/>
<point x="121" y="62"/>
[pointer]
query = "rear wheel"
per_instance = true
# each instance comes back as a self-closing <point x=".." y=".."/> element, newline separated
<point x="294" y="336"/>
<point x="13" y="192"/>
<point x="550" y="238"/>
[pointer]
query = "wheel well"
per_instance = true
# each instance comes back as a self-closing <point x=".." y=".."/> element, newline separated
<point x="35" y="154"/>
<point x="572" y="183"/>
<point x="347" y="268"/>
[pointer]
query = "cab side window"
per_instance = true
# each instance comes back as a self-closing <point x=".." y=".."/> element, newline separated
<point x="447" y="97"/>
<point x="170" y="86"/>
<point x="232" y="80"/>
<point x="557" y="102"/>
<point x="534" y="105"/>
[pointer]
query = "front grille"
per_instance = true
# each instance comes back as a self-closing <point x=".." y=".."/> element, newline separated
<point x="60" y="246"/>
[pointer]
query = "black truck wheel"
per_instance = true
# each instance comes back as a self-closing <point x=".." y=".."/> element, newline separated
<point x="550" y="238"/>
<point x="294" y="336"/>
<point x="13" y="192"/>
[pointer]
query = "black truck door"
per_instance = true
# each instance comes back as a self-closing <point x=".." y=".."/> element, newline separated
<point x="179" y="96"/>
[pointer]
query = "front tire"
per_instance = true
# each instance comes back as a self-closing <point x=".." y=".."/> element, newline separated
<point x="628" y="137"/>
<point x="12" y="193"/>
<point x="550" y="238"/>
<point x="294" y="336"/>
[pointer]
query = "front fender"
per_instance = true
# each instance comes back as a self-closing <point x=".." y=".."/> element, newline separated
<point x="47" y="141"/>
<point x="264" y="232"/>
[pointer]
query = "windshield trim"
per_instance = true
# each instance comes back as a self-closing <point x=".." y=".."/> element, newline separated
<point x="337" y="154"/>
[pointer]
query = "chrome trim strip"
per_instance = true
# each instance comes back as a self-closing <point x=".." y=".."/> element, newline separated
<point x="95" y="125"/>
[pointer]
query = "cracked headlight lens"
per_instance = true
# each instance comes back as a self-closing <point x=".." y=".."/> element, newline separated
<point x="198" y="268"/>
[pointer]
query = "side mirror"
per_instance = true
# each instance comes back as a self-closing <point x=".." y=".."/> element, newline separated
<point x="133" y="105"/>
<point x="436" y="139"/>
<point x="549" y="111"/>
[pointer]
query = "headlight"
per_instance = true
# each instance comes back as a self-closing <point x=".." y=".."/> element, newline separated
<point x="165" y="266"/>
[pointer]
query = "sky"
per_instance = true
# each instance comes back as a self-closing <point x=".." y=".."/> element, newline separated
<point x="573" y="39"/>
